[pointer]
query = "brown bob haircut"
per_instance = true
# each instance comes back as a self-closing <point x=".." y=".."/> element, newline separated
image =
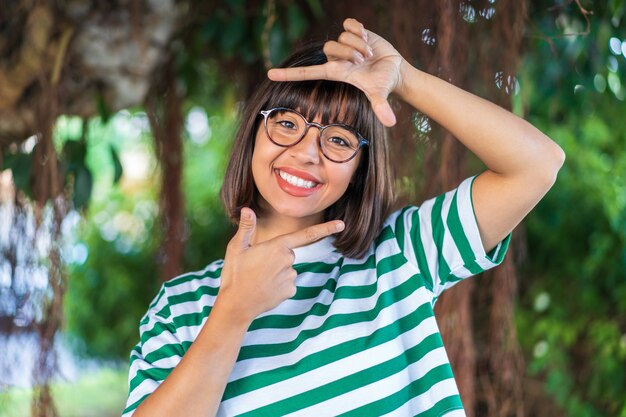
<point x="368" y="200"/>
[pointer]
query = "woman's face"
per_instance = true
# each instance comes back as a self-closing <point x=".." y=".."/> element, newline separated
<point x="298" y="181"/>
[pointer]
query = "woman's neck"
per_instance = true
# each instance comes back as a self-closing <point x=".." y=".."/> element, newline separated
<point x="272" y="225"/>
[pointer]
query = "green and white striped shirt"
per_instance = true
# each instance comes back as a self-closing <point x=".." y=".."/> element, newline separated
<point x="359" y="338"/>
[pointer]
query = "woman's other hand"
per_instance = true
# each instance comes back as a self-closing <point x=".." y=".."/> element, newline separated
<point x="358" y="57"/>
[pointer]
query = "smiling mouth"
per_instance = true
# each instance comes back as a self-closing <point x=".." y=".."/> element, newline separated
<point x="296" y="181"/>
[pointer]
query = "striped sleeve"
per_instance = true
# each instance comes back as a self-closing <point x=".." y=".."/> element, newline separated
<point x="441" y="238"/>
<point x="155" y="356"/>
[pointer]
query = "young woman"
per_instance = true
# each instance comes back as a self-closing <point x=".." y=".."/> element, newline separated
<point x="323" y="304"/>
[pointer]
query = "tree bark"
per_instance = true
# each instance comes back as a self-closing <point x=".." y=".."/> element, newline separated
<point x="166" y="121"/>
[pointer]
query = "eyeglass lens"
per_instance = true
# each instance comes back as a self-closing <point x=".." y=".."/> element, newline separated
<point x="286" y="127"/>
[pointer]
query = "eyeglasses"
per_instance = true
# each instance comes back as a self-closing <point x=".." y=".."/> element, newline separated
<point x="338" y="142"/>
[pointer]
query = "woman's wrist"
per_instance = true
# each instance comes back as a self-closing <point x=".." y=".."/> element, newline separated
<point x="406" y="73"/>
<point x="230" y="312"/>
<point x="410" y="80"/>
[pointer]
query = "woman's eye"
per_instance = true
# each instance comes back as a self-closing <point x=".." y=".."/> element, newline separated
<point x="334" y="140"/>
<point x="287" y="124"/>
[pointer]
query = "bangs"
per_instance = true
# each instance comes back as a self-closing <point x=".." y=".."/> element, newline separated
<point x="333" y="102"/>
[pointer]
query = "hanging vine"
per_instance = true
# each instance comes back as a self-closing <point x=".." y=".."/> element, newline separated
<point x="165" y="114"/>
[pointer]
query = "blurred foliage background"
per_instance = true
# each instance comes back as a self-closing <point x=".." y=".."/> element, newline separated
<point x="570" y="310"/>
<point x="572" y="314"/>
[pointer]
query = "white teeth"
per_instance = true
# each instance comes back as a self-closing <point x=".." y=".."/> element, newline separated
<point x="298" y="182"/>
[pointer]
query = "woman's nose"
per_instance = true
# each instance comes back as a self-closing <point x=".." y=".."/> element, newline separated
<point x="307" y="149"/>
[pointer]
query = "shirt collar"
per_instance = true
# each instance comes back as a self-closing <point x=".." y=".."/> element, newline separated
<point x="314" y="251"/>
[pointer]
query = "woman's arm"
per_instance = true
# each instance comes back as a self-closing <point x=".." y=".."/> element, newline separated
<point x="195" y="387"/>
<point x="249" y="286"/>
<point x="521" y="161"/>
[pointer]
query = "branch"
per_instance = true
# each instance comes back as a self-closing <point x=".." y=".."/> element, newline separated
<point x="31" y="57"/>
<point x="58" y="60"/>
<point x="270" y="11"/>
<point x="584" y="12"/>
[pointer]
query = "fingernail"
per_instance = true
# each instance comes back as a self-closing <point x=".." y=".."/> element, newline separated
<point x="370" y="51"/>
<point x="364" y="35"/>
<point x="340" y="226"/>
<point x="359" y="58"/>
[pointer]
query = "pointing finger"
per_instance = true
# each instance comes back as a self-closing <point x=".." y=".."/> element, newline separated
<point x="311" y="234"/>
<point x="314" y="72"/>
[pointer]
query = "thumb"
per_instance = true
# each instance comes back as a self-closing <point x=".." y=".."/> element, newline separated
<point x="383" y="111"/>
<point x="247" y="226"/>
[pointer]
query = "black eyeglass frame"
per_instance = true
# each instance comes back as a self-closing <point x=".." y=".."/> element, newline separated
<point x="320" y="127"/>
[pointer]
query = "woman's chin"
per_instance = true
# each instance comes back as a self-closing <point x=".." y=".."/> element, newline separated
<point x="295" y="211"/>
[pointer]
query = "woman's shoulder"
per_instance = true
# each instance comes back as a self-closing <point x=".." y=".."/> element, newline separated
<point x="209" y="276"/>
<point x="182" y="294"/>
<point x="397" y="215"/>
<point x="461" y="195"/>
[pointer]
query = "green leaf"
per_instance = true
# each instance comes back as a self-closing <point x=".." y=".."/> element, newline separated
<point x="233" y="35"/>
<point x="103" y="108"/>
<point x="316" y="8"/>
<point x="20" y="165"/>
<point x="278" y="46"/>
<point x="210" y="29"/>
<point x="117" y="165"/>
<point x="296" y="23"/>
<point x="74" y="152"/>
<point x="617" y="8"/>
<point x="83" y="184"/>
<point x="236" y="5"/>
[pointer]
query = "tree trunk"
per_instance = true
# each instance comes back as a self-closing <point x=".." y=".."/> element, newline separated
<point x="166" y="121"/>
<point x="46" y="367"/>
<point x="48" y="195"/>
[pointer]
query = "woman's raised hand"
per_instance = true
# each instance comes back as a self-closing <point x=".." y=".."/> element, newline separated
<point x="358" y="57"/>
<point x="257" y="278"/>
